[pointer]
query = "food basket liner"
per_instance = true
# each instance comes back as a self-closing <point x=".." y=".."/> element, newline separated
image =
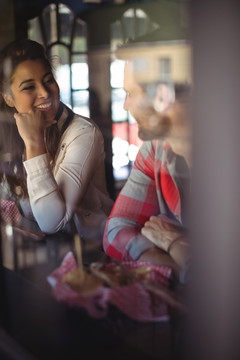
<point x="133" y="300"/>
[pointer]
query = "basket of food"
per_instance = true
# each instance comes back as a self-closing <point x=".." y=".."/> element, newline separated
<point x="139" y="289"/>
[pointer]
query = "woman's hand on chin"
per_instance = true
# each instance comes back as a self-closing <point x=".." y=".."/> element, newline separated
<point x="31" y="127"/>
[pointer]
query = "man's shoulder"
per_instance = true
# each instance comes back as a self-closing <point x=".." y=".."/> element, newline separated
<point x="154" y="148"/>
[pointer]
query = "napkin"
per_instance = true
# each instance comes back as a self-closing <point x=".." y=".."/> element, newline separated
<point x="133" y="300"/>
<point x="10" y="212"/>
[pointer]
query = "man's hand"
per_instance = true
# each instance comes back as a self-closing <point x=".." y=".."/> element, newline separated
<point x="161" y="231"/>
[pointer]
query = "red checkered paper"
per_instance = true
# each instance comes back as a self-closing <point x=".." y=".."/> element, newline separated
<point x="10" y="212"/>
<point x="133" y="300"/>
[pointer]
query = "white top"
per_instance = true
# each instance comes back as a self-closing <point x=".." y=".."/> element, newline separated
<point x="76" y="183"/>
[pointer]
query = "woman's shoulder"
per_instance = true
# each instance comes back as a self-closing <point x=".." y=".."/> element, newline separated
<point x="82" y="125"/>
<point x="82" y="122"/>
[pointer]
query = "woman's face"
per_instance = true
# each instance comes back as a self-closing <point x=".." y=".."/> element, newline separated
<point x="33" y="87"/>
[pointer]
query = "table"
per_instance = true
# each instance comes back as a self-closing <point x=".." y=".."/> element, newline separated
<point x="47" y="329"/>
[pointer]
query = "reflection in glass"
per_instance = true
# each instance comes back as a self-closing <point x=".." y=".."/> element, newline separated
<point x="66" y="18"/>
<point x="80" y="79"/>
<point x="34" y="30"/>
<point x="63" y="79"/>
<point x="80" y="36"/>
<point x="81" y="103"/>
<point x="135" y="22"/>
<point x="133" y="134"/>
<point x="117" y="71"/>
<point x="129" y="24"/>
<point x="120" y="147"/>
<point x="165" y="68"/>
<point x="118" y="112"/>
<point x="141" y="22"/>
<point x="66" y="43"/>
<point x="60" y="60"/>
<point x="59" y="55"/>
<point x="49" y="16"/>
<point x="125" y="146"/>
<point x="132" y="152"/>
<point x="116" y="34"/>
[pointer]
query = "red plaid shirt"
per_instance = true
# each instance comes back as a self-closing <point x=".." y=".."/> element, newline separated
<point x="153" y="188"/>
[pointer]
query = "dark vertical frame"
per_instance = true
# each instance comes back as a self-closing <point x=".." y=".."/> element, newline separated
<point x="216" y="172"/>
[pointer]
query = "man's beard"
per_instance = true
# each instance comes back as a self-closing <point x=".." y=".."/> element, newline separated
<point x="158" y="128"/>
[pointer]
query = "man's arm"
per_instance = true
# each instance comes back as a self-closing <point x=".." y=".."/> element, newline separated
<point x="169" y="237"/>
<point x="160" y="257"/>
<point x="135" y="204"/>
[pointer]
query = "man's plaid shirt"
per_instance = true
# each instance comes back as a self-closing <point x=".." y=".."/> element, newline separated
<point x="156" y="186"/>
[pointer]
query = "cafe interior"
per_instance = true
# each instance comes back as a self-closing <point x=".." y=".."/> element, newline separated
<point x="193" y="43"/>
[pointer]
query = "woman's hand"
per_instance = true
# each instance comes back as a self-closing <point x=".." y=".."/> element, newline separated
<point x="161" y="231"/>
<point x="31" y="127"/>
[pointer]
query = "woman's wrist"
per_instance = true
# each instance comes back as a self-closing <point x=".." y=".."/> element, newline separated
<point x="33" y="150"/>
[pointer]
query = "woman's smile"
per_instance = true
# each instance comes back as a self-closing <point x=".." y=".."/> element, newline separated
<point x="44" y="106"/>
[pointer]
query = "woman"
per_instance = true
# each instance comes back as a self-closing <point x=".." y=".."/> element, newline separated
<point x="55" y="161"/>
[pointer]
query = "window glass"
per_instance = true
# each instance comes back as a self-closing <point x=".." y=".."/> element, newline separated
<point x="81" y="103"/>
<point x="66" y="44"/>
<point x="116" y="34"/>
<point x="128" y="21"/>
<point x="60" y="60"/>
<point x="66" y="18"/>
<point x="120" y="148"/>
<point x="165" y="68"/>
<point x="126" y="143"/>
<point x="79" y="67"/>
<point x="142" y="22"/>
<point x="34" y="30"/>
<point x="118" y="112"/>
<point x="80" y="36"/>
<point x="49" y="17"/>
<point x="116" y="70"/>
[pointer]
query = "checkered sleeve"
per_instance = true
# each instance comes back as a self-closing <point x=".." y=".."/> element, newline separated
<point x="135" y="204"/>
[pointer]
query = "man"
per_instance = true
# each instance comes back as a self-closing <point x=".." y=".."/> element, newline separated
<point x="149" y="219"/>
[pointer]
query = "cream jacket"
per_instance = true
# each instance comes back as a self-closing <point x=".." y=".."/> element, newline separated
<point x="75" y="187"/>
